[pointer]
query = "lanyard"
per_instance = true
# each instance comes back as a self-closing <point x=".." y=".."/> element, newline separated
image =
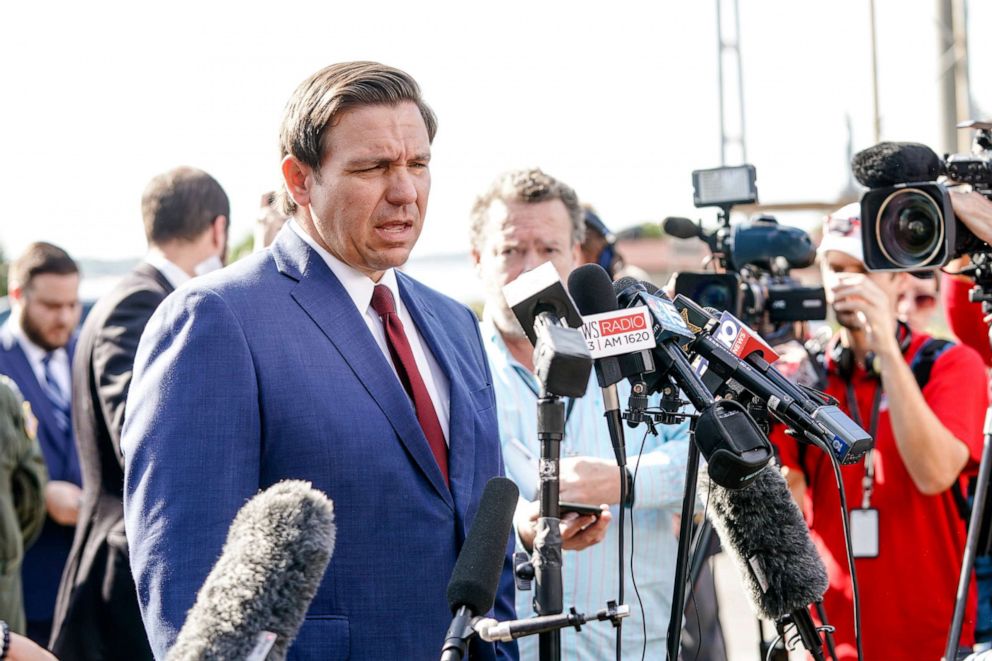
<point x="868" y="482"/>
<point x="528" y="380"/>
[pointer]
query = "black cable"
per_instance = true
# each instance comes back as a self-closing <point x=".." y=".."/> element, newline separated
<point x="633" y="579"/>
<point x="850" y="553"/>
<point x="623" y="506"/>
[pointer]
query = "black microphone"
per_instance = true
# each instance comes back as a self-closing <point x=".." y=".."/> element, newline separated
<point x="681" y="228"/>
<point x="743" y="362"/>
<point x="891" y="163"/>
<point x="549" y="318"/>
<point x="475" y="578"/>
<point x="255" y="598"/>
<point x="728" y="438"/>
<point x="765" y="534"/>
<point x="592" y="290"/>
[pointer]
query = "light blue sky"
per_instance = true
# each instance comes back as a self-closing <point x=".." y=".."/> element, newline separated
<point x="618" y="99"/>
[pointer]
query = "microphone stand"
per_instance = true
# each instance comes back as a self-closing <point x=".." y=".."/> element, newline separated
<point x="685" y="534"/>
<point x="547" y="559"/>
<point x="981" y="293"/>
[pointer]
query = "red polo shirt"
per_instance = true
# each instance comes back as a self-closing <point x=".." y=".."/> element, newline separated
<point x="907" y="593"/>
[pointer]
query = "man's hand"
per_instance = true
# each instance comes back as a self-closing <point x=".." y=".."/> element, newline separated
<point x="857" y="294"/>
<point x="577" y="532"/>
<point x="975" y="212"/>
<point x="62" y="500"/>
<point x="589" y="480"/>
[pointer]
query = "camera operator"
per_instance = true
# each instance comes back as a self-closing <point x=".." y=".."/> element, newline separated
<point x="907" y="530"/>
<point x="524" y="219"/>
<point x="964" y="317"/>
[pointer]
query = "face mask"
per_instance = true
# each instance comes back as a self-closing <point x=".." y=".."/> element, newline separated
<point x="211" y="263"/>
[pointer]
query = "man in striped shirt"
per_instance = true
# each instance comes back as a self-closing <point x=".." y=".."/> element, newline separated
<point x="527" y="218"/>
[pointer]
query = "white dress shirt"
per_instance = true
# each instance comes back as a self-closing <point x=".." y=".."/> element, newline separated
<point x="61" y="369"/>
<point x="359" y="287"/>
<point x="175" y="275"/>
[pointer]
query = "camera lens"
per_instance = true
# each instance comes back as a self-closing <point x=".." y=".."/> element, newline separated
<point x="714" y="295"/>
<point x="909" y="228"/>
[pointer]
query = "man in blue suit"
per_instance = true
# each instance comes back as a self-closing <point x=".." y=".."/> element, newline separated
<point x="36" y="347"/>
<point x="318" y="360"/>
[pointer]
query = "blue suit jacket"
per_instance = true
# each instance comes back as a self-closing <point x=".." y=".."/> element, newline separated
<point x="45" y="559"/>
<point x="266" y="371"/>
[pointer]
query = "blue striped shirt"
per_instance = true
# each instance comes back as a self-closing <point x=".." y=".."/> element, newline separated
<point x="590" y="575"/>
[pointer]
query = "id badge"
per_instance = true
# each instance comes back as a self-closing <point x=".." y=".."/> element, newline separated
<point x="864" y="533"/>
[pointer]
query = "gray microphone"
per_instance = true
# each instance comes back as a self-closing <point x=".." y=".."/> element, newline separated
<point x="763" y="530"/>
<point x="255" y="598"/>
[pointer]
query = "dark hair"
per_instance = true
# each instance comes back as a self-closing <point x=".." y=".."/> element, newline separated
<point x="531" y="185"/>
<point x="38" y="259"/>
<point x="182" y="204"/>
<point x="321" y="98"/>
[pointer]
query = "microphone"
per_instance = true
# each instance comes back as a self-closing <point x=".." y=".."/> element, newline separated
<point x="475" y="578"/>
<point x="549" y="318"/>
<point x="734" y="351"/>
<point x="728" y="438"/>
<point x="765" y="534"/>
<point x="681" y="228"/>
<point x="890" y="163"/>
<point x="255" y="598"/>
<point x="592" y="291"/>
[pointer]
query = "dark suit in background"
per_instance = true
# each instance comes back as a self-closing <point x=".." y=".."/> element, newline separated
<point x="96" y="614"/>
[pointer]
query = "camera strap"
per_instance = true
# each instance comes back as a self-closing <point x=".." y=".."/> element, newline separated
<point x="868" y="482"/>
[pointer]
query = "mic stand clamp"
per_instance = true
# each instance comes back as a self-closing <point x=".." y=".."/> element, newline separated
<point x="492" y="631"/>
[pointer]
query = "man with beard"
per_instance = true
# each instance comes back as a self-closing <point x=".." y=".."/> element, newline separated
<point x="185" y="213"/>
<point x="36" y="347"/>
<point x="907" y="531"/>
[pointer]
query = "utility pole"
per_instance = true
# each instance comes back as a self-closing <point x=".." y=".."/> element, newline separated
<point x="733" y="143"/>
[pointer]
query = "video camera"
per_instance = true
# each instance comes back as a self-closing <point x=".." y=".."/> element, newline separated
<point x="756" y="256"/>
<point x="907" y="222"/>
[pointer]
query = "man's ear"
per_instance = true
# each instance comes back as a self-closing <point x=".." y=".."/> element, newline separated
<point x="219" y="229"/>
<point x="298" y="177"/>
<point x="577" y="257"/>
<point x="16" y="294"/>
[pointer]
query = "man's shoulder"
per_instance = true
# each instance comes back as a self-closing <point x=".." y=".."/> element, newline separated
<point x="436" y="300"/>
<point x="244" y="282"/>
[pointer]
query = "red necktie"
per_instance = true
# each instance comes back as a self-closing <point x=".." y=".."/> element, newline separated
<point x="406" y="367"/>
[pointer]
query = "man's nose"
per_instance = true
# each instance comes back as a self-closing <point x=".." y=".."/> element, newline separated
<point x="531" y="260"/>
<point x="402" y="188"/>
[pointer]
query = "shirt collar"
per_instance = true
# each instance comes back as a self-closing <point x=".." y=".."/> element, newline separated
<point x="358" y="285"/>
<point x="175" y="275"/>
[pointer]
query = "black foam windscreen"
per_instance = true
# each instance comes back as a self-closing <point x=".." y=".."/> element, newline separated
<point x="475" y="578"/>
<point x="680" y="228"/>
<point x="890" y="163"/>
<point x="764" y="532"/>
<point x="592" y="290"/>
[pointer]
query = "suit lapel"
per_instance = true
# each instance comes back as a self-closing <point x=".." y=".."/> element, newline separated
<point x="461" y="423"/>
<point x="327" y="303"/>
<point x="23" y="374"/>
